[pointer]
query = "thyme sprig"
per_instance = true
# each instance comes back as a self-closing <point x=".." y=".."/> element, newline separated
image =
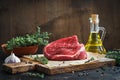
<point x="91" y="59"/>
<point x="41" y="59"/>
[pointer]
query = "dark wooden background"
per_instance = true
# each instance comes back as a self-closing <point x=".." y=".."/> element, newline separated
<point x="60" y="17"/>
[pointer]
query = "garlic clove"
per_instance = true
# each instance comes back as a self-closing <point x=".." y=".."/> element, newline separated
<point x="12" y="59"/>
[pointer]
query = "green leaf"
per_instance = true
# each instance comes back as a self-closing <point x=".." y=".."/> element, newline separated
<point x="43" y="60"/>
<point x="35" y="74"/>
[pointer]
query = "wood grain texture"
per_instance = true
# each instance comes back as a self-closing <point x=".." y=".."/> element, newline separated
<point x="60" y="17"/>
<point x="18" y="67"/>
<point x="71" y="68"/>
<point x="24" y="66"/>
<point x="57" y="67"/>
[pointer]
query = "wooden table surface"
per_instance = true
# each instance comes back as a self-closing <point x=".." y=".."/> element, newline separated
<point x="102" y="73"/>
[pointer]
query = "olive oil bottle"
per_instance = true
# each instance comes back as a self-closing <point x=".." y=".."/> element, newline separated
<point x="94" y="43"/>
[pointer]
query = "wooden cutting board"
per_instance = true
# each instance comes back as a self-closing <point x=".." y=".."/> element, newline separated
<point x="56" y="67"/>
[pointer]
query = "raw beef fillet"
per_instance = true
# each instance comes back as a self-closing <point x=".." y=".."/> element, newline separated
<point x="65" y="49"/>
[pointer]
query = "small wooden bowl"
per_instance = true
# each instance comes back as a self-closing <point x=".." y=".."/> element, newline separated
<point x="21" y="50"/>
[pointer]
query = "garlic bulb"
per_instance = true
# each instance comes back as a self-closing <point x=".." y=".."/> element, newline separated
<point x="12" y="59"/>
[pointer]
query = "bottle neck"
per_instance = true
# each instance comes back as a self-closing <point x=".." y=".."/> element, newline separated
<point x="94" y="27"/>
<point x="94" y="23"/>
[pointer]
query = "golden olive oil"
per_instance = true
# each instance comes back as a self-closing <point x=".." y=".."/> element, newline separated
<point x="94" y="44"/>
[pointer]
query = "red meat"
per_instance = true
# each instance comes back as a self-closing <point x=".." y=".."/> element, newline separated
<point x="65" y="49"/>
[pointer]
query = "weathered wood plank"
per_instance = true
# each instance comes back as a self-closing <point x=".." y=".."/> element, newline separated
<point x="18" y="67"/>
<point x="25" y="65"/>
<point x="57" y="67"/>
<point x="61" y="17"/>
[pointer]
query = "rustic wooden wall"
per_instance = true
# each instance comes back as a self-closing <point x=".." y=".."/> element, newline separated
<point x="60" y="17"/>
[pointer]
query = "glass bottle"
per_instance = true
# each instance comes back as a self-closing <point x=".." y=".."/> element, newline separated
<point x="95" y="42"/>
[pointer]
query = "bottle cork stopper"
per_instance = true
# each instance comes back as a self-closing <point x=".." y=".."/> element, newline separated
<point x="95" y="18"/>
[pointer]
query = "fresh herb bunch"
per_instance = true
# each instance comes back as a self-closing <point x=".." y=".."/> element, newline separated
<point x="29" y="40"/>
<point x="114" y="54"/>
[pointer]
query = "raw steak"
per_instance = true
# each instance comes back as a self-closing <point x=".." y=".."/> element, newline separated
<point x="65" y="49"/>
